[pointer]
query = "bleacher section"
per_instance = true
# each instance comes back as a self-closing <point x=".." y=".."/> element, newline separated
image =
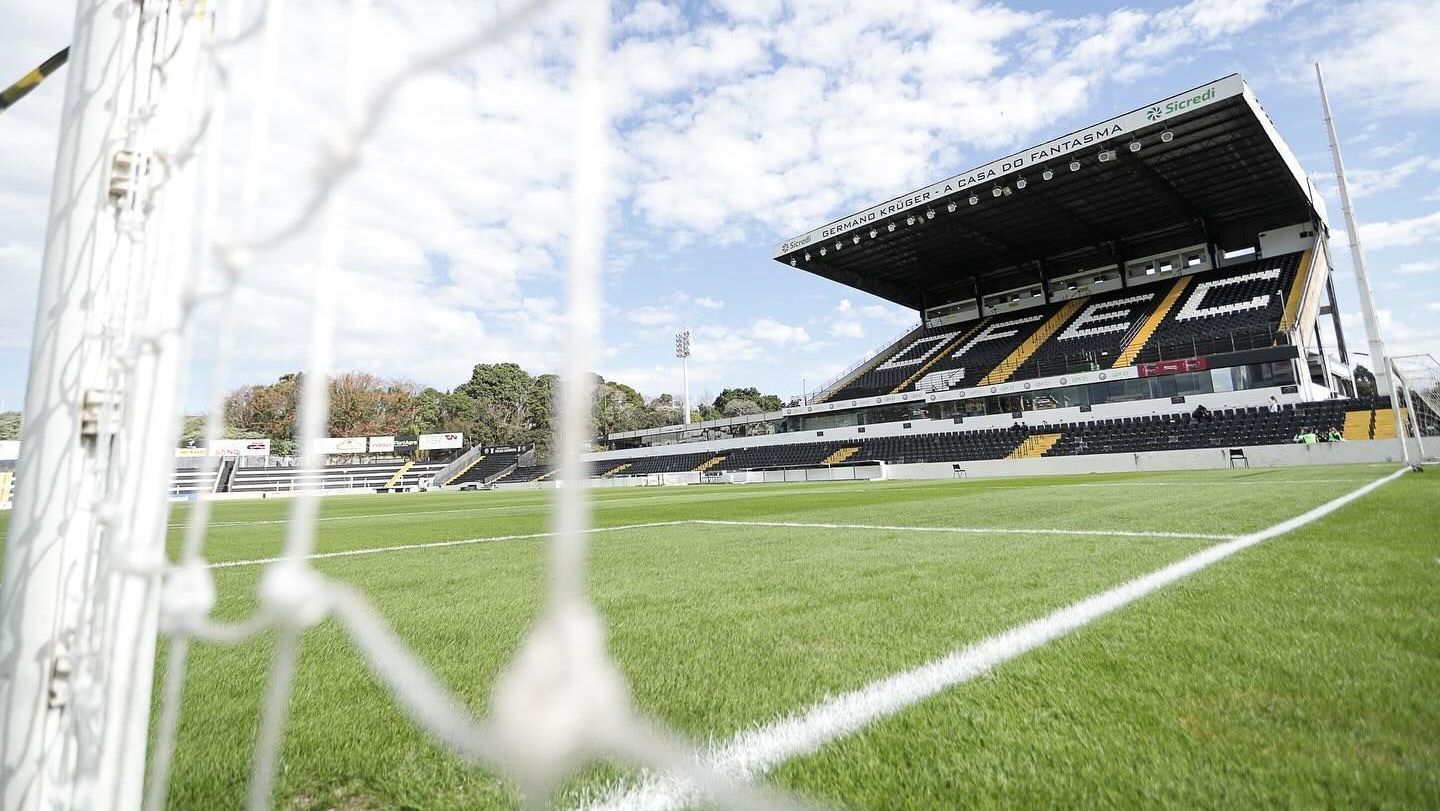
<point x="528" y="473"/>
<point x="1184" y="317"/>
<point x="189" y="481"/>
<point x="370" y="476"/>
<point x="1227" y="428"/>
<point x="484" y="469"/>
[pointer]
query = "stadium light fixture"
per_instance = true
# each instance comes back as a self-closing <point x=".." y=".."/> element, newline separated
<point x="1047" y="174"/>
<point x="855" y="239"/>
<point x="1036" y="294"/>
<point x="950" y="207"/>
<point x="1135" y="146"/>
<point x="996" y="192"/>
<point x="1008" y="191"/>
<point x="910" y="220"/>
<point x="1107" y="155"/>
<point x="1167" y="136"/>
<point x="807" y="256"/>
<point x="974" y="199"/>
<point x="839" y="244"/>
<point x="822" y="251"/>
<point x="929" y="213"/>
<point x="1021" y="183"/>
<point x="1075" y="166"/>
<point x="1099" y="279"/>
<point x="793" y="263"/>
<point x="890" y="227"/>
<point x="874" y="233"/>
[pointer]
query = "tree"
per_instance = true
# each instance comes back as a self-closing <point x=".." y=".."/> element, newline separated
<point x="766" y="402"/>
<point x="10" y="425"/>
<point x="741" y="408"/>
<point x="1364" y="382"/>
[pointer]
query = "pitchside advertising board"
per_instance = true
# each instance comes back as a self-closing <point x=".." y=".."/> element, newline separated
<point x="432" y="442"/>
<point x="226" y="447"/>
<point x="1049" y="152"/>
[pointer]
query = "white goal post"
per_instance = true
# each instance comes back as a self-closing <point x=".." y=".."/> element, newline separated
<point x="135" y="247"/>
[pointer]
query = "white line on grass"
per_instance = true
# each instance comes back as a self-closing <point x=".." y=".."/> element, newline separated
<point x="756" y="751"/>
<point x="375" y="550"/>
<point x="1105" y="533"/>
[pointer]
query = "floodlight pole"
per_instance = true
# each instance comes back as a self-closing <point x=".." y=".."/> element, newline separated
<point x="1378" y="358"/>
<point x="682" y="351"/>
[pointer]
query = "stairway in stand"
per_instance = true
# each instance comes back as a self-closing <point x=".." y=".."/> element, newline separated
<point x="1034" y="446"/>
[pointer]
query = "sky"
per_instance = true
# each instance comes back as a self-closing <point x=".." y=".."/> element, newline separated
<point x="736" y="124"/>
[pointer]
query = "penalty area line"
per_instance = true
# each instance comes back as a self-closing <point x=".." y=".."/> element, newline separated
<point x="405" y="547"/>
<point x="754" y="752"/>
<point x="1100" y="533"/>
<point x="375" y="550"/>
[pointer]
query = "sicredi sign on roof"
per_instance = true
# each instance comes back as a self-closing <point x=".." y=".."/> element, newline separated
<point x="1203" y="96"/>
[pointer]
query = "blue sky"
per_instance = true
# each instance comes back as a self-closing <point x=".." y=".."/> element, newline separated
<point x="738" y="124"/>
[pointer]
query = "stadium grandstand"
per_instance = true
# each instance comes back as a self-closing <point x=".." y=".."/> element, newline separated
<point x="1083" y="296"/>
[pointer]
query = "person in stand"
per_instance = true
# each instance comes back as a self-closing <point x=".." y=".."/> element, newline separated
<point x="1335" y="435"/>
<point x="1274" y="405"/>
<point x="1306" y="436"/>
<point x="1202" y="414"/>
<point x="1017" y="428"/>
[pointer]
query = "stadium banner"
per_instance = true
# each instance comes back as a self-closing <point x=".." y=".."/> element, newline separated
<point x="190" y="453"/>
<point x="430" y="442"/>
<point x="382" y="444"/>
<point x="340" y="444"/>
<point x="1052" y="152"/>
<point x="502" y="449"/>
<point x="406" y="443"/>
<point x="240" y="447"/>
<point x="1038" y="384"/>
<point x="1161" y="368"/>
<point x="9" y="449"/>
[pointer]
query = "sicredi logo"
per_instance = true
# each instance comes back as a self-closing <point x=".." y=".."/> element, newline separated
<point x="1177" y="105"/>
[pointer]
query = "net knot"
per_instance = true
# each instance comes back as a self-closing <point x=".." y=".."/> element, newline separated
<point x="187" y="598"/>
<point x="558" y="697"/>
<point x="294" y="594"/>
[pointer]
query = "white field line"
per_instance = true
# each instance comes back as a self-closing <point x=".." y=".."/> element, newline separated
<point x="1104" y="533"/>
<point x="618" y="502"/>
<point x="374" y="550"/>
<point x="756" y="751"/>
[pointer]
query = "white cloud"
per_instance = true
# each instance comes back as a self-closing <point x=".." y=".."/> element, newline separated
<point x="1415" y="268"/>
<point x="1400" y="233"/>
<point x="1433" y="306"/>
<point x="651" y="316"/>
<point x="844" y="306"/>
<point x="1382" y="53"/>
<point x="773" y="332"/>
<point x="847" y="329"/>
<point x="650" y="16"/>
<point x="707" y="303"/>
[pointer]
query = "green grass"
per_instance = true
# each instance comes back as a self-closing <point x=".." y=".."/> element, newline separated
<point x="1302" y="672"/>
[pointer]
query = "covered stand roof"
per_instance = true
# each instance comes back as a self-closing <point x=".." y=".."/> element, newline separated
<point x="1222" y="176"/>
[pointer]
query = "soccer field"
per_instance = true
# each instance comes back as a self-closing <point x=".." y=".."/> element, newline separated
<point x="1300" y="671"/>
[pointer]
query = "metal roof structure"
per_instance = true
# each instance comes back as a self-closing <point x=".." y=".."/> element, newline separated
<point x="1203" y="166"/>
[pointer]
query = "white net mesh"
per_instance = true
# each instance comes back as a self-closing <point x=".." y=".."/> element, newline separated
<point x="192" y="222"/>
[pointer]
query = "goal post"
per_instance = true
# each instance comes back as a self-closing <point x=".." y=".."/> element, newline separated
<point x="85" y="546"/>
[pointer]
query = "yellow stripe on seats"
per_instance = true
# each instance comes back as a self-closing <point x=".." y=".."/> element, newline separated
<point x="1297" y="291"/>
<point x="935" y="358"/>
<point x="1152" y="323"/>
<point x="1031" y="345"/>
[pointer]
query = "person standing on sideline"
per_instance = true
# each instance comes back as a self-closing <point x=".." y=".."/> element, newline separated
<point x="1274" y="405"/>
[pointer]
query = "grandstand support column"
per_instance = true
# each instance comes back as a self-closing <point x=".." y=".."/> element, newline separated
<point x="1378" y="359"/>
<point x="1335" y="318"/>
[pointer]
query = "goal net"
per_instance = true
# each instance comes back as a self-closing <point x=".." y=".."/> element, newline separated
<point x="160" y="213"/>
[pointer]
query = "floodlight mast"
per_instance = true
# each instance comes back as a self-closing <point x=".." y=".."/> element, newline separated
<point x="682" y="351"/>
<point x="1378" y="359"/>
